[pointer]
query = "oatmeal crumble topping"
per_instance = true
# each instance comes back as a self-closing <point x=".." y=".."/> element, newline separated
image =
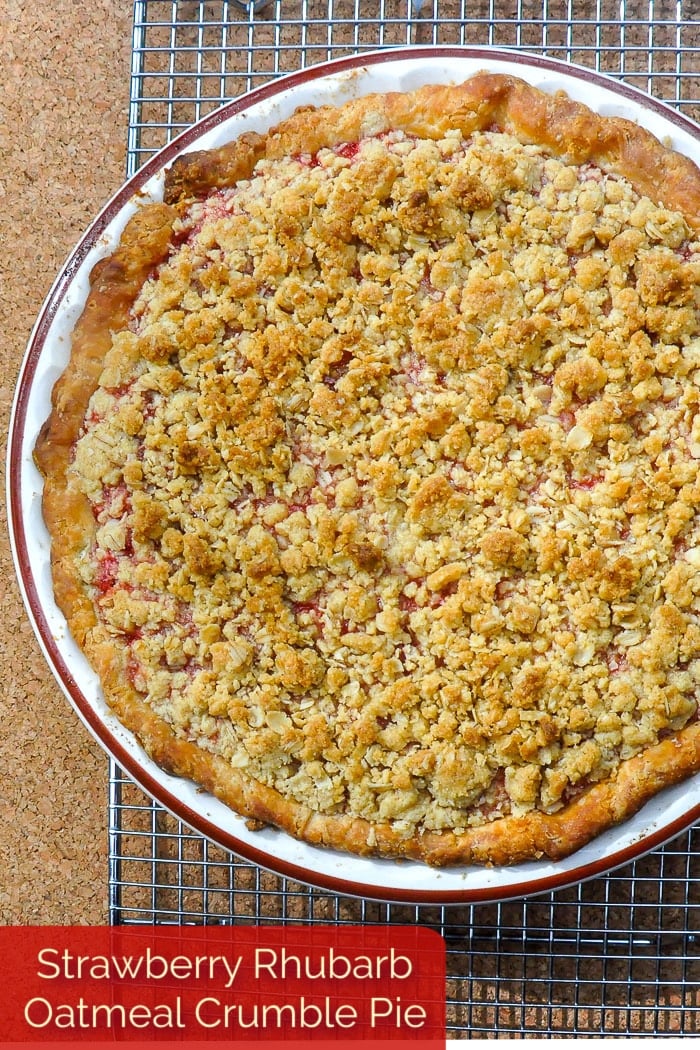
<point x="395" y="476"/>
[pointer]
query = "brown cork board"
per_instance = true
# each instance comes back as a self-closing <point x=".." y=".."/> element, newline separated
<point x="63" y="123"/>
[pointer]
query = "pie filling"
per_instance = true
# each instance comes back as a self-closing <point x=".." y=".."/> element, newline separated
<point x="395" y="474"/>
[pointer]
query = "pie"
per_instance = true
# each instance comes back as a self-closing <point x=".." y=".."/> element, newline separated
<point x="373" y="477"/>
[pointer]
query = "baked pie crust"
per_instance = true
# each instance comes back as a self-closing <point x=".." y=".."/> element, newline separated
<point x="372" y="478"/>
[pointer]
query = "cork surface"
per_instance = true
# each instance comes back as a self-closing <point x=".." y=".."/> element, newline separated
<point x="63" y="122"/>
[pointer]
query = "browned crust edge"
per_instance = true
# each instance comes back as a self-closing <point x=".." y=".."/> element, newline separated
<point x="484" y="101"/>
<point x="508" y="841"/>
<point x="115" y="283"/>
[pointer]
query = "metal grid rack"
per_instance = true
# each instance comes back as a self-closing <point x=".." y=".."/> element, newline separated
<point x="618" y="955"/>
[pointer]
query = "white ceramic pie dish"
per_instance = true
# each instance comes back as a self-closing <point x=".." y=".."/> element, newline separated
<point x="403" y="69"/>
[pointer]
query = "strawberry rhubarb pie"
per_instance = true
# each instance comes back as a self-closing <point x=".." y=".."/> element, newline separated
<point x="373" y="478"/>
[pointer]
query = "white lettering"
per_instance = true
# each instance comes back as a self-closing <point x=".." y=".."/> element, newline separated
<point x="140" y="1016"/>
<point x="198" y="1012"/>
<point x="39" y="1013"/>
<point x="331" y="965"/>
<point x="232" y="971"/>
<point x="210" y="1013"/>
<point x="64" y="1015"/>
<point x="104" y="1015"/>
<point x="38" y="1019"/>
<point x="156" y="966"/>
<point x="345" y="1015"/>
<point x="279" y="1011"/>
<point x="380" y="1009"/>
<point x="181" y="967"/>
<point x="43" y="958"/>
<point x="163" y="1015"/>
<point x="404" y="963"/>
<point x="392" y="1011"/>
<point x="414" y="1015"/>
<point x="271" y="955"/>
<point x="99" y="968"/>
<point x="54" y="962"/>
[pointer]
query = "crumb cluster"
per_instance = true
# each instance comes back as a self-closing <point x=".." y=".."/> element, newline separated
<point x="395" y="478"/>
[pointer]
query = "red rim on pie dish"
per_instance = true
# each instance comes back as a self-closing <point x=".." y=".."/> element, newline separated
<point x="665" y="816"/>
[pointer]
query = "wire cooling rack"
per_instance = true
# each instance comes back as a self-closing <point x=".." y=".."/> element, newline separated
<point x="618" y="955"/>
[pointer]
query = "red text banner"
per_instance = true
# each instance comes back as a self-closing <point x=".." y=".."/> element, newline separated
<point x="243" y="985"/>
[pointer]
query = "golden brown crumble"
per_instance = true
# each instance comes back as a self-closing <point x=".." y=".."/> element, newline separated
<point x="395" y="473"/>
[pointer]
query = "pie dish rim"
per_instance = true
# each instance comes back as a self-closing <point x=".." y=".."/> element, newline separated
<point x="544" y="876"/>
